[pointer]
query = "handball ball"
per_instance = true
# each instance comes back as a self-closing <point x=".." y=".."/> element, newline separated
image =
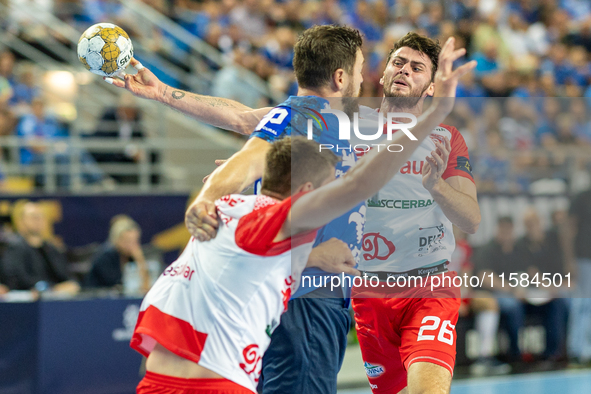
<point x="105" y="49"/>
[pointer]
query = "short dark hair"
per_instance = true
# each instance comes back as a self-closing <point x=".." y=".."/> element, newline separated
<point x="423" y="44"/>
<point x="505" y="220"/>
<point x="321" y="50"/>
<point x="291" y="162"/>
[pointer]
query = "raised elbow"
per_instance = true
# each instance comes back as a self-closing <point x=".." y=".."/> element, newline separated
<point x="473" y="226"/>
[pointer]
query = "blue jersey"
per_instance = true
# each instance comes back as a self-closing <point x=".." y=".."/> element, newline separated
<point x="291" y="118"/>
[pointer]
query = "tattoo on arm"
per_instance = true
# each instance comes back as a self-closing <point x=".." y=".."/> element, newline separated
<point x="211" y="101"/>
<point x="165" y="90"/>
<point x="177" y="94"/>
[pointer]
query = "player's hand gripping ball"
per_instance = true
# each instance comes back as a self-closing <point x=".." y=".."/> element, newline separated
<point x="105" y="49"/>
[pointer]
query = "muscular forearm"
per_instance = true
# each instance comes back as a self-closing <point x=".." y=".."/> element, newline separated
<point x="219" y="112"/>
<point x="461" y="209"/>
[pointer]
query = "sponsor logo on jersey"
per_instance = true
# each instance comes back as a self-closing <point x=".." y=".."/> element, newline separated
<point x="431" y="243"/>
<point x="413" y="167"/>
<point x="437" y="137"/>
<point x="377" y="246"/>
<point x="253" y="361"/>
<point x="400" y="204"/>
<point x="373" y="371"/>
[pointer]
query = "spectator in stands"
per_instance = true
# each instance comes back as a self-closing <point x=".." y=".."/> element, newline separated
<point x="44" y="135"/>
<point x="7" y="61"/>
<point x="498" y="257"/>
<point x="547" y="130"/>
<point x="37" y="129"/>
<point x="540" y="253"/>
<point x="229" y="82"/>
<point x="250" y="19"/>
<point x="26" y="89"/>
<point x="578" y="263"/>
<point x="6" y="92"/>
<point x="123" y="248"/>
<point x="566" y="130"/>
<point x="123" y="123"/>
<point x="558" y="64"/>
<point x="487" y="60"/>
<point x="33" y="263"/>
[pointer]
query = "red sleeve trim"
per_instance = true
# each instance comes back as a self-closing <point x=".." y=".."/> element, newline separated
<point x="431" y="356"/>
<point x="257" y="230"/>
<point x="176" y="335"/>
<point x="459" y="159"/>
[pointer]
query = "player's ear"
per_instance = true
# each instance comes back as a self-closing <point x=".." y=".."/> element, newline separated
<point x="306" y="187"/>
<point x="339" y="79"/>
<point x="430" y="90"/>
<point x="382" y="80"/>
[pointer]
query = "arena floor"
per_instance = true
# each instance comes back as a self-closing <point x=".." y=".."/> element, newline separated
<point x="563" y="382"/>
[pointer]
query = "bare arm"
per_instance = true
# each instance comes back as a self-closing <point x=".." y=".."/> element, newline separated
<point x="457" y="198"/>
<point x="219" y="112"/>
<point x="235" y="175"/>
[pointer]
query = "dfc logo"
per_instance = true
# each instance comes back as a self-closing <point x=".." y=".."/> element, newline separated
<point x="377" y="246"/>
<point x="431" y="241"/>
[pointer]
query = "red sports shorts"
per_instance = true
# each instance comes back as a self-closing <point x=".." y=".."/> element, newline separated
<point x="154" y="383"/>
<point x="396" y="331"/>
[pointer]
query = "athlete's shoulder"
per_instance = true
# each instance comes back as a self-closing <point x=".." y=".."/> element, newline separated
<point x="235" y="205"/>
<point x="452" y="130"/>
<point x="275" y="124"/>
<point x="257" y="229"/>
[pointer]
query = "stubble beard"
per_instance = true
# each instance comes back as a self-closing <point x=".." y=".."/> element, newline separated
<point x="401" y="100"/>
<point x="351" y="101"/>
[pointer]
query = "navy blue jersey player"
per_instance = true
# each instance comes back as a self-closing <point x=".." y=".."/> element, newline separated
<point x="291" y="118"/>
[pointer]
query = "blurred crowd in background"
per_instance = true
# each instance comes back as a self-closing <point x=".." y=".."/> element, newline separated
<point x="526" y="50"/>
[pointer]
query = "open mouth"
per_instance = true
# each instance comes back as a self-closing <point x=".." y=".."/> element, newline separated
<point x="400" y="83"/>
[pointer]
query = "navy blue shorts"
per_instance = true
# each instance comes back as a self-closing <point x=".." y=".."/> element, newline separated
<point x="307" y="348"/>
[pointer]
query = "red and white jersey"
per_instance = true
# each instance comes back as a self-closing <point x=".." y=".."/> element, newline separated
<point x="405" y="227"/>
<point x="218" y="303"/>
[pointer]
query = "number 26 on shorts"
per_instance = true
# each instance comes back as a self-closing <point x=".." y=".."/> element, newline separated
<point x="445" y="335"/>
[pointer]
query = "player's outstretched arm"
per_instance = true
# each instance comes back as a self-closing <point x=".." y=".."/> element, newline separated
<point x="236" y="174"/>
<point x="374" y="170"/>
<point x="216" y="111"/>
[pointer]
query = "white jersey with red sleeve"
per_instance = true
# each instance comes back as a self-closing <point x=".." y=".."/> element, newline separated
<point x="218" y="303"/>
<point x="406" y="228"/>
